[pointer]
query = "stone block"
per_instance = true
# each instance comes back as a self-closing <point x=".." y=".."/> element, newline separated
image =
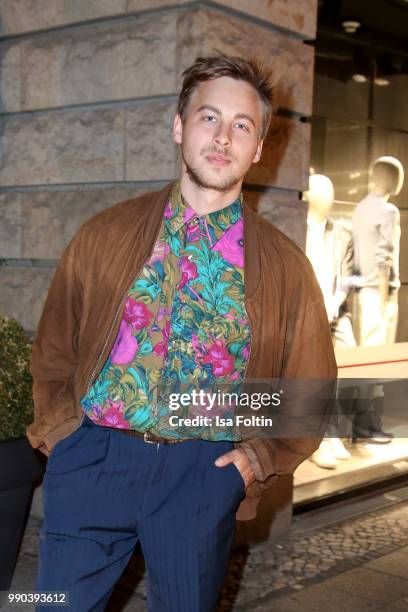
<point x="317" y="597"/>
<point x="28" y="15"/>
<point x="10" y="226"/>
<point x="377" y="587"/>
<point x="113" y="61"/>
<point x="49" y="219"/>
<point x="394" y="563"/>
<point x="106" y="61"/>
<point x="283" y="209"/>
<point x="23" y="293"/>
<point x="142" y="5"/>
<point x="149" y="149"/>
<point x="285" y="157"/>
<point x="299" y="17"/>
<point x="62" y="147"/>
<point x="133" y="144"/>
<point x="18" y="16"/>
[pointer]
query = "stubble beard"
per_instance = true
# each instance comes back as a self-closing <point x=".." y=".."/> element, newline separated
<point x="198" y="178"/>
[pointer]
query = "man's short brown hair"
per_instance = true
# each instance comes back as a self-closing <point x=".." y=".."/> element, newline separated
<point x="216" y="66"/>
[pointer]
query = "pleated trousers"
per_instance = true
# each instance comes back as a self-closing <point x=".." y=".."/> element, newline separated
<point x="105" y="491"/>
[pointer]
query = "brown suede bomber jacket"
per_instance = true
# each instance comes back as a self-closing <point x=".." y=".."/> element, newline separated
<point x="289" y="327"/>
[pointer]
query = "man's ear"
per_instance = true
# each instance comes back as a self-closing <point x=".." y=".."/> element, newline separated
<point x="178" y="129"/>
<point x="258" y="153"/>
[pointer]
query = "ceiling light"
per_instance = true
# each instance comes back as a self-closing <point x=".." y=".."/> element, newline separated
<point x="381" y="82"/>
<point x="351" y="26"/>
<point x="359" y="78"/>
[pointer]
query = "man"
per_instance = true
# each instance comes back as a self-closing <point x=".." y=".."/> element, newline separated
<point x="186" y="288"/>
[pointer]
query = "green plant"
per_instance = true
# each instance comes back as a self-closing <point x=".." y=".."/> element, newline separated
<point x="16" y="401"/>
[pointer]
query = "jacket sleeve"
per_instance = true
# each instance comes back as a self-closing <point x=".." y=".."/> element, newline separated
<point x="54" y="353"/>
<point x="309" y="375"/>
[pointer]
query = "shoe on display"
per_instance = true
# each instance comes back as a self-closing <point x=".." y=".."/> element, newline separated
<point x="373" y="437"/>
<point x="324" y="456"/>
<point x="339" y="450"/>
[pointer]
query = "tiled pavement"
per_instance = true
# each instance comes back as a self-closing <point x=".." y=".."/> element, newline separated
<point x="358" y="564"/>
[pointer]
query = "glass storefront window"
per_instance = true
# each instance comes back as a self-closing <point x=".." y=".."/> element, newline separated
<point x="360" y="114"/>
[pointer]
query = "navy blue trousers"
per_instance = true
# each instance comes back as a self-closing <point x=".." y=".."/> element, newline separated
<point x="105" y="491"/>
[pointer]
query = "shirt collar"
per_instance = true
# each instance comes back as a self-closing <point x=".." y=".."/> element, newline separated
<point x="178" y="212"/>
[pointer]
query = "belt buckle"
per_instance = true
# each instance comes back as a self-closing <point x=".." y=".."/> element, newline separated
<point x="146" y="438"/>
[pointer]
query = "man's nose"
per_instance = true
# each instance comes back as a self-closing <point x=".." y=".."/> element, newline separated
<point x="222" y="137"/>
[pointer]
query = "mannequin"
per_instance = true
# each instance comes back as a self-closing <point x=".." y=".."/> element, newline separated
<point x="376" y="235"/>
<point x="329" y="247"/>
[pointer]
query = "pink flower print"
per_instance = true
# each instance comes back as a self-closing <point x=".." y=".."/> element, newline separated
<point x="193" y="233"/>
<point x="160" y="250"/>
<point x="136" y="314"/>
<point x="195" y="344"/>
<point x="168" y="212"/>
<point x="198" y="349"/>
<point x="125" y="347"/>
<point x="188" y="271"/>
<point x="188" y="214"/>
<point x="222" y="362"/>
<point x="231" y="244"/>
<point x="163" y="312"/>
<point x="161" y="348"/>
<point x="113" y="417"/>
<point x="245" y="352"/>
<point x="97" y="411"/>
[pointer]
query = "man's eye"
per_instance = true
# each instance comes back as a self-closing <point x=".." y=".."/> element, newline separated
<point x="242" y="126"/>
<point x="209" y="118"/>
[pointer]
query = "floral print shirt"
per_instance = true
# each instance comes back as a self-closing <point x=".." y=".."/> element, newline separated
<point x="183" y="328"/>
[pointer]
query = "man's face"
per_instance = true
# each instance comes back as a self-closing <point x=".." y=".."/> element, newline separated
<point x="220" y="136"/>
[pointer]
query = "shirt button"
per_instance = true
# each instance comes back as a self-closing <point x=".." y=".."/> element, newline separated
<point x="190" y="257"/>
<point x="195" y="221"/>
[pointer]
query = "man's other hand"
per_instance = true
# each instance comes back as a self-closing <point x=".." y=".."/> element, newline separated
<point x="240" y="458"/>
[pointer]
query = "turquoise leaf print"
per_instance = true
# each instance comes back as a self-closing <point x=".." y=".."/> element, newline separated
<point x="140" y="377"/>
<point x="146" y="347"/>
<point x="149" y="285"/>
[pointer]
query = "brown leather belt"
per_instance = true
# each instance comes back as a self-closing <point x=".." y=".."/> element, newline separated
<point x="150" y="437"/>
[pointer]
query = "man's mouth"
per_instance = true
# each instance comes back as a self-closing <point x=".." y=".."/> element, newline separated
<point x="217" y="159"/>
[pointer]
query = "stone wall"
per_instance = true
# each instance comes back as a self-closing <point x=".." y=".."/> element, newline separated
<point x="88" y="91"/>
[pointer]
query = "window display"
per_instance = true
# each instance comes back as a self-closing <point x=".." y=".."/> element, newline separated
<point x="357" y="189"/>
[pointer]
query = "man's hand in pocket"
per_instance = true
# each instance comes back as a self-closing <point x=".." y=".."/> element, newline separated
<point x="239" y="457"/>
